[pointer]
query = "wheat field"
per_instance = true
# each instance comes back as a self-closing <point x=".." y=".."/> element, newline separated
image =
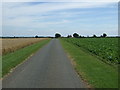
<point x="12" y="44"/>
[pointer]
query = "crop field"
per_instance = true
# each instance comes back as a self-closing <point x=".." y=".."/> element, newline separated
<point x="11" y="60"/>
<point x="10" y="45"/>
<point x="90" y="58"/>
<point x="106" y="48"/>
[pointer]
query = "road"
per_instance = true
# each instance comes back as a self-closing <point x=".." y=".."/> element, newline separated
<point x="48" y="68"/>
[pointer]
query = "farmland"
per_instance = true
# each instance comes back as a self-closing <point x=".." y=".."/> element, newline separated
<point x="18" y="50"/>
<point x="86" y="55"/>
<point x="10" y="45"/>
<point x="105" y="48"/>
<point x="88" y="64"/>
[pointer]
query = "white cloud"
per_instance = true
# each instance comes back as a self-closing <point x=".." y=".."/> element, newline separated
<point x="11" y="9"/>
<point x="25" y="15"/>
<point x="0" y="18"/>
<point x="21" y="12"/>
<point x="60" y="0"/>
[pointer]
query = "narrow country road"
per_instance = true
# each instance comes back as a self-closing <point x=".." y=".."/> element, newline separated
<point x="48" y="68"/>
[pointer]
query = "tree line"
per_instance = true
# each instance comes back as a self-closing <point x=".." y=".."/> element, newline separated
<point x="76" y="35"/>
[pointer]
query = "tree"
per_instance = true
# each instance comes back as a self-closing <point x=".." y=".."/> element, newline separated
<point x="75" y="35"/>
<point x="69" y="36"/>
<point x="36" y="36"/>
<point x="94" y="35"/>
<point x="101" y="36"/>
<point x="57" y="35"/>
<point x="104" y="35"/>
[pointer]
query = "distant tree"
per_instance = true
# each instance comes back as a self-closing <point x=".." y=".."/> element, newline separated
<point x="57" y="35"/>
<point x="69" y="36"/>
<point x="104" y="35"/>
<point x="80" y="36"/>
<point x="101" y="36"/>
<point x="36" y="36"/>
<point x="94" y="36"/>
<point x="75" y="35"/>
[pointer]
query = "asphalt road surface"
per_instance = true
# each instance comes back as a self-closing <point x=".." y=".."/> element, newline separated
<point x="48" y="68"/>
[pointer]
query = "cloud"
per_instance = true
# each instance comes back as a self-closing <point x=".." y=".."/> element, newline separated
<point x="60" y="0"/>
<point x="54" y="16"/>
<point x="23" y="9"/>
<point x="0" y="18"/>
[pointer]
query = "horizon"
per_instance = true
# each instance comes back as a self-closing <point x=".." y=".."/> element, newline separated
<point x="54" y="35"/>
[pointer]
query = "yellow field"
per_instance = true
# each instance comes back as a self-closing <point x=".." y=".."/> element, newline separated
<point x="10" y="45"/>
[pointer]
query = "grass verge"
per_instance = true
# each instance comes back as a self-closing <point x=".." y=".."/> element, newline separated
<point x="11" y="60"/>
<point x="97" y="73"/>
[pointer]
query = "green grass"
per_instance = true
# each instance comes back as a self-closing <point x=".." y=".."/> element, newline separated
<point x="11" y="60"/>
<point x="97" y="73"/>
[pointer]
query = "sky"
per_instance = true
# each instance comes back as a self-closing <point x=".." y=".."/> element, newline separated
<point x="45" y="18"/>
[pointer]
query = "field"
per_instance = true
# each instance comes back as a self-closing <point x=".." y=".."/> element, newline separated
<point x="12" y="59"/>
<point x="10" y="45"/>
<point x="86" y="54"/>
<point x="106" y="48"/>
<point x="94" y="59"/>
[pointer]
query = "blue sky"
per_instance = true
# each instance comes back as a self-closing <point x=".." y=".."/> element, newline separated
<point x="47" y="18"/>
